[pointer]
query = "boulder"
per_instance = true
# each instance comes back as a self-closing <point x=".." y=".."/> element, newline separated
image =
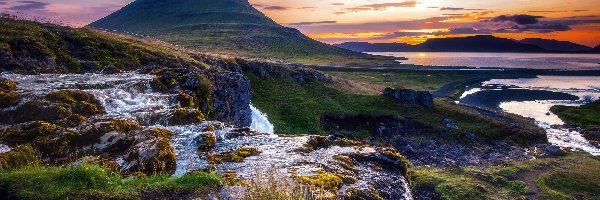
<point x="231" y="100"/>
<point x="422" y="98"/>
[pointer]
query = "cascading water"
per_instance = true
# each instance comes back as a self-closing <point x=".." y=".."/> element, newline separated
<point x="129" y="95"/>
<point x="260" y="122"/>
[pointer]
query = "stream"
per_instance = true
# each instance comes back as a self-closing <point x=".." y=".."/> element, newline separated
<point x="533" y="98"/>
<point x="129" y="95"/>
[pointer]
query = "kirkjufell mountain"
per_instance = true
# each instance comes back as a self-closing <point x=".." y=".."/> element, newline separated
<point x="231" y="27"/>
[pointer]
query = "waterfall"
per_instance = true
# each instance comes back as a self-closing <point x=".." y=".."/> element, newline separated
<point x="260" y="122"/>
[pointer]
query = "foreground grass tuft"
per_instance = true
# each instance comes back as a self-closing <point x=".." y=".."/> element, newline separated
<point x="88" y="181"/>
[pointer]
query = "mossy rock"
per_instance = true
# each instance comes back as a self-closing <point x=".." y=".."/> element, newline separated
<point x="345" y="162"/>
<point x="7" y="85"/>
<point x="8" y="98"/>
<point x="206" y="141"/>
<point x="185" y="116"/>
<point x="319" y="142"/>
<point x="27" y="132"/>
<point x="155" y="156"/>
<point x="236" y="156"/>
<point x="326" y="181"/>
<point x="186" y="100"/>
<point x="79" y="101"/>
<point x="18" y="157"/>
<point x="358" y="194"/>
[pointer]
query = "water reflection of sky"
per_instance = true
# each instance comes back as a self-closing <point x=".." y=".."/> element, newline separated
<point x="503" y="60"/>
<point x="585" y="87"/>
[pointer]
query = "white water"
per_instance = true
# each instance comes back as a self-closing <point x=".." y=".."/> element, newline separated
<point x="4" y="148"/>
<point x="260" y="121"/>
<point x="129" y="96"/>
<point x="583" y="87"/>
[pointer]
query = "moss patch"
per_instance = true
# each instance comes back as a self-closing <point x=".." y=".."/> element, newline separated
<point x="236" y="156"/>
<point x="325" y="181"/>
<point x="18" y="157"/>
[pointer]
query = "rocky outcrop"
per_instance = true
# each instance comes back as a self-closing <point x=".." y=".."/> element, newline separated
<point x="231" y="100"/>
<point x="264" y="70"/>
<point x="8" y="96"/>
<point x="422" y="98"/>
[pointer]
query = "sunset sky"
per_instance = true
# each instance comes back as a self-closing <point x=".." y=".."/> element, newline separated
<point x="336" y="21"/>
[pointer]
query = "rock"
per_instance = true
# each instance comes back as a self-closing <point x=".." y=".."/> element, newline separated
<point x="8" y="96"/>
<point x="152" y="156"/>
<point x="422" y="98"/>
<point x="554" y="150"/>
<point x="450" y="124"/>
<point x="18" y="157"/>
<point x="183" y="116"/>
<point x="231" y="99"/>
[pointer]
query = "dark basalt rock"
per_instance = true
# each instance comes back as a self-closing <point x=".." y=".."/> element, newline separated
<point x="231" y="100"/>
<point x="422" y="98"/>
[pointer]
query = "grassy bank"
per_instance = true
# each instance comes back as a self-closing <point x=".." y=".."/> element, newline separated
<point x="574" y="175"/>
<point x="416" y="80"/>
<point x="299" y="109"/>
<point x="89" y="181"/>
<point x="587" y="115"/>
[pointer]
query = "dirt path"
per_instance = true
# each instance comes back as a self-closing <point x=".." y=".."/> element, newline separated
<point x="529" y="177"/>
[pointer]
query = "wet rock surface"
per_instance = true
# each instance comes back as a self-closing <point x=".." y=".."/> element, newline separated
<point x="139" y="129"/>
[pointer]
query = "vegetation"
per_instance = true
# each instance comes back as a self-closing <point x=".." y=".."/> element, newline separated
<point x="233" y="156"/>
<point x="415" y="80"/>
<point x="325" y="181"/>
<point x="560" y="178"/>
<point x="91" y="181"/>
<point x="18" y="157"/>
<point x="299" y="109"/>
<point x="586" y="115"/>
<point x="62" y="49"/>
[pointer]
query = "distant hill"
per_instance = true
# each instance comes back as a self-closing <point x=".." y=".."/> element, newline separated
<point x="597" y="48"/>
<point x="556" y="45"/>
<point x="480" y="43"/>
<point x="226" y="27"/>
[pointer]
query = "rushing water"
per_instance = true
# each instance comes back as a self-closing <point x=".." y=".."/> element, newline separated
<point x="129" y="95"/>
<point x="533" y="98"/>
<point x="501" y="60"/>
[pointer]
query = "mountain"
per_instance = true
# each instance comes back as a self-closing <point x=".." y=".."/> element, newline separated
<point x="556" y="45"/>
<point x="597" y="48"/>
<point x="230" y="27"/>
<point x="479" y="43"/>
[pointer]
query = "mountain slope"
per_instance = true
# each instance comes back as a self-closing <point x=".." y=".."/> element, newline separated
<point x="226" y="27"/>
<point x="555" y="45"/>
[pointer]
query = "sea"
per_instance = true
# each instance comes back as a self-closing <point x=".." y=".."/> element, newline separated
<point x="529" y="97"/>
<point x="501" y="60"/>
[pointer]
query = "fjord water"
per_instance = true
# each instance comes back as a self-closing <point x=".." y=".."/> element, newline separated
<point x="500" y="60"/>
<point x="129" y="95"/>
<point x="533" y="98"/>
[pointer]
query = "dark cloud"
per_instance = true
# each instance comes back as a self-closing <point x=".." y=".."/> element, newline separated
<point x="276" y="8"/>
<point x="538" y="28"/>
<point x="521" y="19"/>
<point x="30" y="5"/>
<point x="311" y="23"/>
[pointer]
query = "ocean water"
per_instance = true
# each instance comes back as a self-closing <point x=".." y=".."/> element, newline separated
<point x="533" y="98"/>
<point x="502" y="60"/>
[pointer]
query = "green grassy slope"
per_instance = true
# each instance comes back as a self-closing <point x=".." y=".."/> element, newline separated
<point x="31" y="46"/>
<point x="586" y="115"/>
<point x="230" y="27"/>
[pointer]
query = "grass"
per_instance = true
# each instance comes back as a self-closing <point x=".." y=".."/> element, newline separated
<point x="416" y="80"/>
<point x="574" y="175"/>
<point x="299" y="109"/>
<point x="587" y="115"/>
<point x="67" y="47"/>
<point x="88" y="181"/>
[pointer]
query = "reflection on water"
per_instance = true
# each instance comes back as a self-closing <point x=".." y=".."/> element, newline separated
<point x="533" y="98"/>
<point x="503" y="60"/>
